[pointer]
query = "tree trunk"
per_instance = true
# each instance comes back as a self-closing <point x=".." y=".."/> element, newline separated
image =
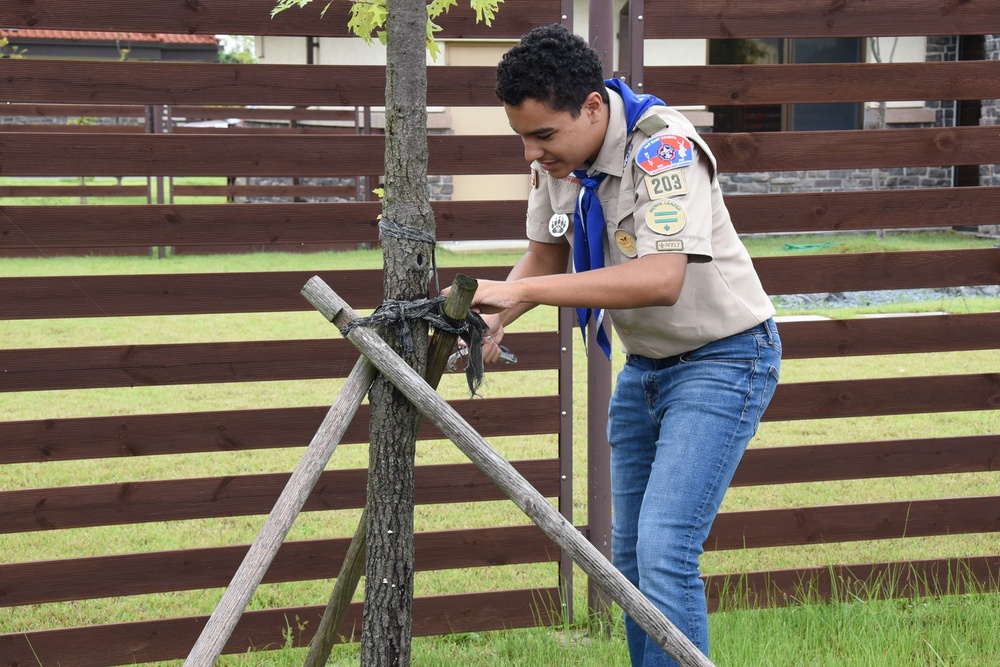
<point x="388" y="611"/>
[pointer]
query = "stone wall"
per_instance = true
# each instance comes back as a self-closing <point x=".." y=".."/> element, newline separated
<point x="940" y="48"/>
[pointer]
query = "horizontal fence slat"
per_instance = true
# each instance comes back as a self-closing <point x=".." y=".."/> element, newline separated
<point x="863" y="460"/>
<point x="69" y="154"/>
<point x="887" y="396"/>
<point x="253" y="17"/>
<point x="879" y="270"/>
<point x="78" y="438"/>
<point x="171" y="500"/>
<point x="169" y="639"/>
<point x="212" y="224"/>
<point x="37" y="85"/>
<point x="854" y="149"/>
<point x="50" y="83"/>
<point x="180" y="294"/>
<point x="201" y="363"/>
<point x="177" y="294"/>
<point x="791" y="213"/>
<point x="243" y="154"/>
<point x="289" y="191"/>
<point x="66" y="190"/>
<point x="727" y="85"/>
<point x="303" y="560"/>
<point x="889" y="335"/>
<point x="843" y="523"/>
<point x="721" y="19"/>
<point x="93" y="129"/>
<point x="356" y="222"/>
<point x="34" y="70"/>
<point x="909" y="579"/>
<point x="38" y="369"/>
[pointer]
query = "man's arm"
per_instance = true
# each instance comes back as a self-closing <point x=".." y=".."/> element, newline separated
<point x="652" y="280"/>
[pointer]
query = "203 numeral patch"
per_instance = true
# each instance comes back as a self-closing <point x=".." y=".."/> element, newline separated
<point x="668" y="184"/>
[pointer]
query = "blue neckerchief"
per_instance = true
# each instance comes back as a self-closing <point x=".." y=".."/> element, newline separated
<point x="588" y="217"/>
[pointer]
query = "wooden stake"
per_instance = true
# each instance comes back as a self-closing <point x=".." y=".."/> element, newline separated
<point x="456" y="306"/>
<point x="503" y="474"/>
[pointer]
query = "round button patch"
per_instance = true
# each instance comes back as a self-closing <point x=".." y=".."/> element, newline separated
<point x="626" y="243"/>
<point x="558" y="224"/>
<point x="665" y="217"/>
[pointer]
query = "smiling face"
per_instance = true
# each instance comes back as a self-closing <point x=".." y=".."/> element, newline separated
<point x="559" y="141"/>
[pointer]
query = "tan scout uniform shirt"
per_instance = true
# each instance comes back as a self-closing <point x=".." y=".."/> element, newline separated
<point x="722" y="294"/>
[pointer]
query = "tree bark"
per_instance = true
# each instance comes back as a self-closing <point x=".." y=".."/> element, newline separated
<point x="388" y="611"/>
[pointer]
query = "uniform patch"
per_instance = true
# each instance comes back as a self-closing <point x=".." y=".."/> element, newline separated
<point x="665" y="217"/>
<point x="558" y="224"/>
<point x="671" y="184"/>
<point x="534" y="179"/>
<point x="626" y="243"/>
<point x="665" y="246"/>
<point x="665" y="152"/>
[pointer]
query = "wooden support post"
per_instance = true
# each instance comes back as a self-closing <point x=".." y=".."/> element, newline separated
<point x="456" y="306"/>
<point x="506" y="477"/>
<point x="251" y="571"/>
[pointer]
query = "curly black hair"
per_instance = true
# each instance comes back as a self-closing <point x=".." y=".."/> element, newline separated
<point x="553" y="66"/>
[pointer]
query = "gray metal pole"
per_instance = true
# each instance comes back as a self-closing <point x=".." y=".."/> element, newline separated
<point x="602" y="36"/>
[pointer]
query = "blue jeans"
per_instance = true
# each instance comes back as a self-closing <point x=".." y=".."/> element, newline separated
<point x="678" y="427"/>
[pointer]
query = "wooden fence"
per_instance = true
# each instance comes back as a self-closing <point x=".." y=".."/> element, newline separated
<point x="49" y="298"/>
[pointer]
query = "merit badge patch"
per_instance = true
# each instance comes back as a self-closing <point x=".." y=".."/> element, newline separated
<point x="665" y="217"/>
<point x="667" y="151"/>
<point x="664" y="246"/>
<point x="534" y="179"/>
<point x="670" y="184"/>
<point x="558" y="224"/>
<point x="626" y="243"/>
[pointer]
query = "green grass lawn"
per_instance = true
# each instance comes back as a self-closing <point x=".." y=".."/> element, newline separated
<point x="951" y="630"/>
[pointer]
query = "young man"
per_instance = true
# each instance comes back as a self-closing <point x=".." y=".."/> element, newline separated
<point x="628" y="186"/>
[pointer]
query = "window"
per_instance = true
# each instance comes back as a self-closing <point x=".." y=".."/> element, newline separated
<point x="777" y="117"/>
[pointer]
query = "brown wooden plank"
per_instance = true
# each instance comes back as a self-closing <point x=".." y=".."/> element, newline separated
<point x="253" y="17"/>
<point x="885" y="396"/>
<point x="846" y="523"/>
<point x="907" y="579"/>
<point x="84" y="129"/>
<point x="852" y="211"/>
<point x="87" y="107"/>
<point x="111" y="296"/>
<point x="244" y="130"/>
<point x="171" y="500"/>
<point x="719" y="19"/>
<point x="231" y="154"/>
<point x="38" y="369"/>
<point x="347" y="155"/>
<point x="42" y="85"/>
<point x="69" y="191"/>
<point x="889" y="335"/>
<point x="726" y="85"/>
<point x="853" y="149"/>
<point x="863" y="460"/>
<point x="879" y="270"/>
<point x="288" y="191"/>
<point x="349" y="222"/>
<point x="175" y="294"/>
<point x="78" y="438"/>
<point x="355" y="222"/>
<point x="283" y="112"/>
<point x="168" y="639"/>
<point x="191" y="569"/>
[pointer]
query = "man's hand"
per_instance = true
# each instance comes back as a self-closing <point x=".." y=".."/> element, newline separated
<point x="491" y="341"/>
